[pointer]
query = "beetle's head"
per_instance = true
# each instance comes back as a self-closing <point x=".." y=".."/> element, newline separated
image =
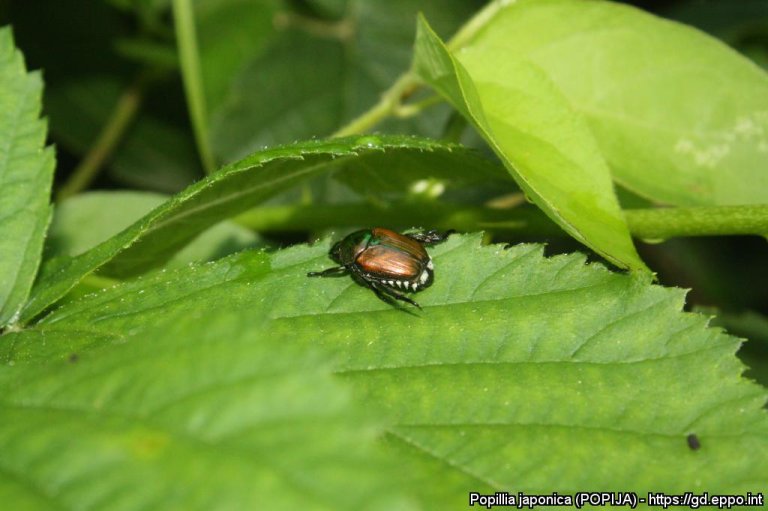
<point x="336" y="252"/>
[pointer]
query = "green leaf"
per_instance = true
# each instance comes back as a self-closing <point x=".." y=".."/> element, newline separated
<point x="351" y="60"/>
<point x="232" y="33"/>
<point x="296" y="110"/>
<point x="544" y="144"/>
<point x="156" y="237"/>
<point x="753" y="327"/>
<point x="680" y="117"/>
<point x="410" y="173"/>
<point x="193" y="415"/>
<point x="82" y="222"/>
<point x="155" y="153"/>
<point x="26" y="173"/>
<point x="522" y="373"/>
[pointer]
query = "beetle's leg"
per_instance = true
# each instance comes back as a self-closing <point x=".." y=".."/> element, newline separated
<point x="330" y="272"/>
<point x="430" y="237"/>
<point x="379" y="293"/>
<point x="386" y="294"/>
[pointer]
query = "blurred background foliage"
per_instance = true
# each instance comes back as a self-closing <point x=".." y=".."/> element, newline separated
<point x="278" y="71"/>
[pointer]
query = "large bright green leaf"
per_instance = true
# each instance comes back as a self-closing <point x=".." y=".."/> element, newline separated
<point x="26" y="172"/>
<point x="522" y="373"/>
<point x="542" y="141"/>
<point x="157" y="236"/>
<point x="680" y="117"/>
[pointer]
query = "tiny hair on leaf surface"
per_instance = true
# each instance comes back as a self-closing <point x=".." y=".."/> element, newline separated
<point x="521" y="372"/>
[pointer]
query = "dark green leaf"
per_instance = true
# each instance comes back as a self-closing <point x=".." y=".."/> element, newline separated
<point x="411" y="174"/>
<point x="349" y="62"/>
<point x="155" y="153"/>
<point x="231" y="34"/>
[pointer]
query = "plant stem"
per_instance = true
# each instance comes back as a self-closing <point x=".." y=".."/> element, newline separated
<point x="189" y="57"/>
<point x="342" y="30"/>
<point x="659" y="223"/>
<point x="467" y="32"/>
<point x="433" y="215"/>
<point x="413" y="109"/>
<point x="391" y="100"/>
<point x="123" y="114"/>
<point x="663" y="223"/>
<point x="387" y="106"/>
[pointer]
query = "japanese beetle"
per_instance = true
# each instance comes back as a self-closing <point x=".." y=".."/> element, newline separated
<point x="385" y="262"/>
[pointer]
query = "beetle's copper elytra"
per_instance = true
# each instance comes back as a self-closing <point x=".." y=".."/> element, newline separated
<point x="385" y="261"/>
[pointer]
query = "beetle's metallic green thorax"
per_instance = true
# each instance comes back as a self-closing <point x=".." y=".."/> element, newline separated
<point x="346" y="251"/>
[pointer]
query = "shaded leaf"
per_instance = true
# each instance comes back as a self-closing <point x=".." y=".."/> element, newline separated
<point x="753" y="327"/>
<point x="410" y="173"/>
<point x="231" y="34"/>
<point x="155" y="153"/>
<point x="351" y="61"/>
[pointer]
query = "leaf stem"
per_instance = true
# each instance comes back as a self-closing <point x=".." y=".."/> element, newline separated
<point x="650" y="224"/>
<point x="125" y="111"/>
<point x="189" y="57"/>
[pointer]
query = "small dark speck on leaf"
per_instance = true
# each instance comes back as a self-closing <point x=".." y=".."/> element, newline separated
<point x="693" y="442"/>
<point x="73" y="358"/>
